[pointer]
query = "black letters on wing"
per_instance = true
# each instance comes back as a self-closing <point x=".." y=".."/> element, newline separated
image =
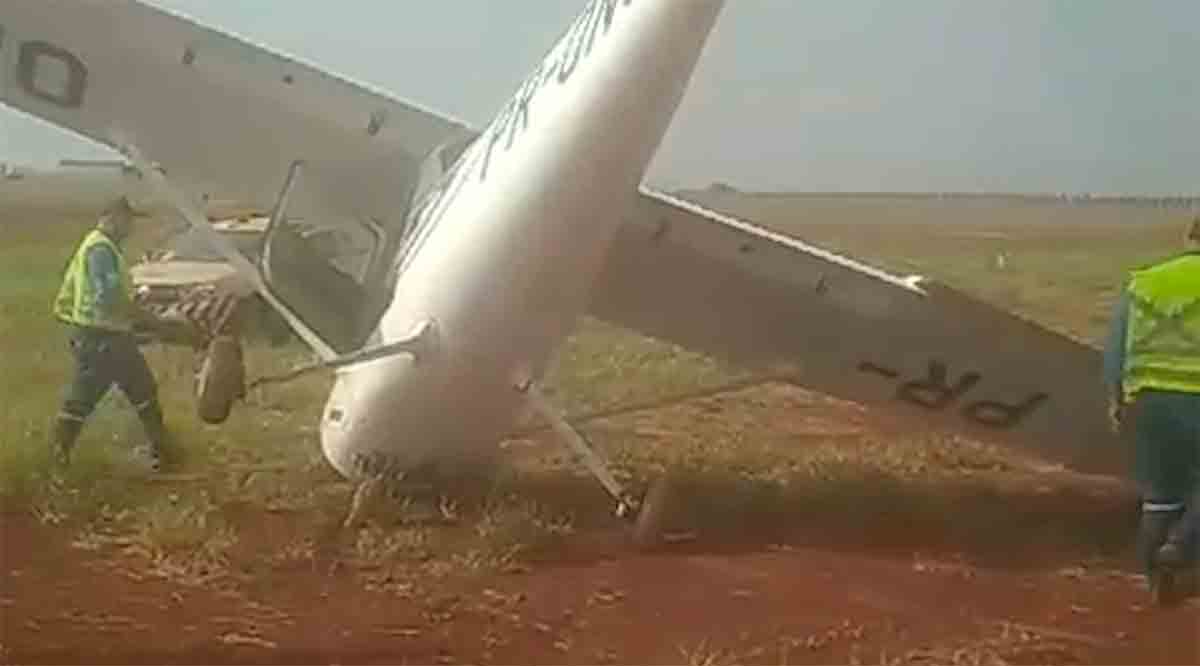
<point x="1000" y="415"/>
<point x="936" y="392"/>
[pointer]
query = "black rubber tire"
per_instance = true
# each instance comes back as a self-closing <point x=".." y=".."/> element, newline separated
<point x="220" y="381"/>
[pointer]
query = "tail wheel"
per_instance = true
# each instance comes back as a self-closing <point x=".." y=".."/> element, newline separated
<point x="221" y="379"/>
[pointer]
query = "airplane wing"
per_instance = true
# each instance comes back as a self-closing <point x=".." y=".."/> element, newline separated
<point x="223" y="117"/>
<point x="218" y="113"/>
<point x="714" y="284"/>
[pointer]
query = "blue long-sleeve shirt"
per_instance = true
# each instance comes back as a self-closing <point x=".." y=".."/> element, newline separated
<point x="1114" y="349"/>
<point x="105" y="276"/>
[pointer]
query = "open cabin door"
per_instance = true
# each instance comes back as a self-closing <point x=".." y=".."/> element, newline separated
<point x="322" y="271"/>
<point x="332" y="275"/>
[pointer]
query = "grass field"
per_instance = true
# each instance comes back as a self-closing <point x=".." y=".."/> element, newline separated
<point x="753" y="464"/>
<point x="1062" y="272"/>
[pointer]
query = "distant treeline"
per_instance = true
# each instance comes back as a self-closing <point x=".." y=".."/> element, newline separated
<point x="1182" y="201"/>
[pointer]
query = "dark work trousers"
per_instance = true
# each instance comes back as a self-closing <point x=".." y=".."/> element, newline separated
<point x="1166" y="428"/>
<point x="104" y="359"/>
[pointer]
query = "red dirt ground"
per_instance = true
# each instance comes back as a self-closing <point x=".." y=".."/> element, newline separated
<point x="774" y="606"/>
<point x="839" y="593"/>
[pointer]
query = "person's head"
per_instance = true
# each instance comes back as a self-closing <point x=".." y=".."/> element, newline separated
<point x="117" y="219"/>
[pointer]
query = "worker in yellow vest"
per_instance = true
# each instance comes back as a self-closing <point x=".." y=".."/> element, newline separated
<point x="1152" y="367"/>
<point x="97" y="304"/>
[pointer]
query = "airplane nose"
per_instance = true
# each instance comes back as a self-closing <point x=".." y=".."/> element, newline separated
<point x="337" y="438"/>
<point x="370" y="423"/>
<point x="388" y="417"/>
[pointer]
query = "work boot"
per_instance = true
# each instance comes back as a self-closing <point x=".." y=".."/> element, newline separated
<point x="152" y="457"/>
<point x="1178" y="557"/>
<point x="1170" y="555"/>
<point x="66" y="431"/>
<point x="1163" y="590"/>
<point x="1161" y="554"/>
<point x="1179" y="548"/>
<point x="1153" y="530"/>
<point x="156" y="435"/>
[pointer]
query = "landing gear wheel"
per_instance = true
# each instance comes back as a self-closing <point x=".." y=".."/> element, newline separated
<point x="647" y="532"/>
<point x="220" y="380"/>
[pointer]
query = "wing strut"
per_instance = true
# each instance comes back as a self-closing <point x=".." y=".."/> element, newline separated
<point x="420" y="345"/>
<point x="573" y="440"/>
<point x="182" y="204"/>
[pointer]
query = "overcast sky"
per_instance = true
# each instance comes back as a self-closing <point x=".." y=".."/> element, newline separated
<point x="1021" y="95"/>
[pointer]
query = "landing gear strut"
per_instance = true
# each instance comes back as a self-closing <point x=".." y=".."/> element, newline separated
<point x="646" y="514"/>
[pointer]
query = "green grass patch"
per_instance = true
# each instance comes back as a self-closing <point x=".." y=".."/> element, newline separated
<point x="742" y="460"/>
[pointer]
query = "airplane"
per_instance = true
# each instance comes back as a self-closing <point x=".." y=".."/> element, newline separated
<point x="490" y="244"/>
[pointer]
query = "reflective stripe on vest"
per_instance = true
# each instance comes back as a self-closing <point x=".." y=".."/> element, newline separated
<point x="77" y="299"/>
<point x="1163" y="340"/>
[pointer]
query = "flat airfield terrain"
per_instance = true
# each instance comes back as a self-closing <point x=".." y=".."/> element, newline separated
<point x="809" y="530"/>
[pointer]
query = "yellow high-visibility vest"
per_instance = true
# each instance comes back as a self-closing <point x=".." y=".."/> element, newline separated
<point x="1162" y="342"/>
<point x="76" y="302"/>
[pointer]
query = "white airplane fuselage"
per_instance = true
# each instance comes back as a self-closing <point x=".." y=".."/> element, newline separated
<point x="501" y="256"/>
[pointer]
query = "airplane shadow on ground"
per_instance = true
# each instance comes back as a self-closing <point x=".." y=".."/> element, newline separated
<point x="1011" y="525"/>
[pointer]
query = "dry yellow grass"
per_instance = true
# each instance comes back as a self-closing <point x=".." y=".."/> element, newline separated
<point x="748" y="459"/>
